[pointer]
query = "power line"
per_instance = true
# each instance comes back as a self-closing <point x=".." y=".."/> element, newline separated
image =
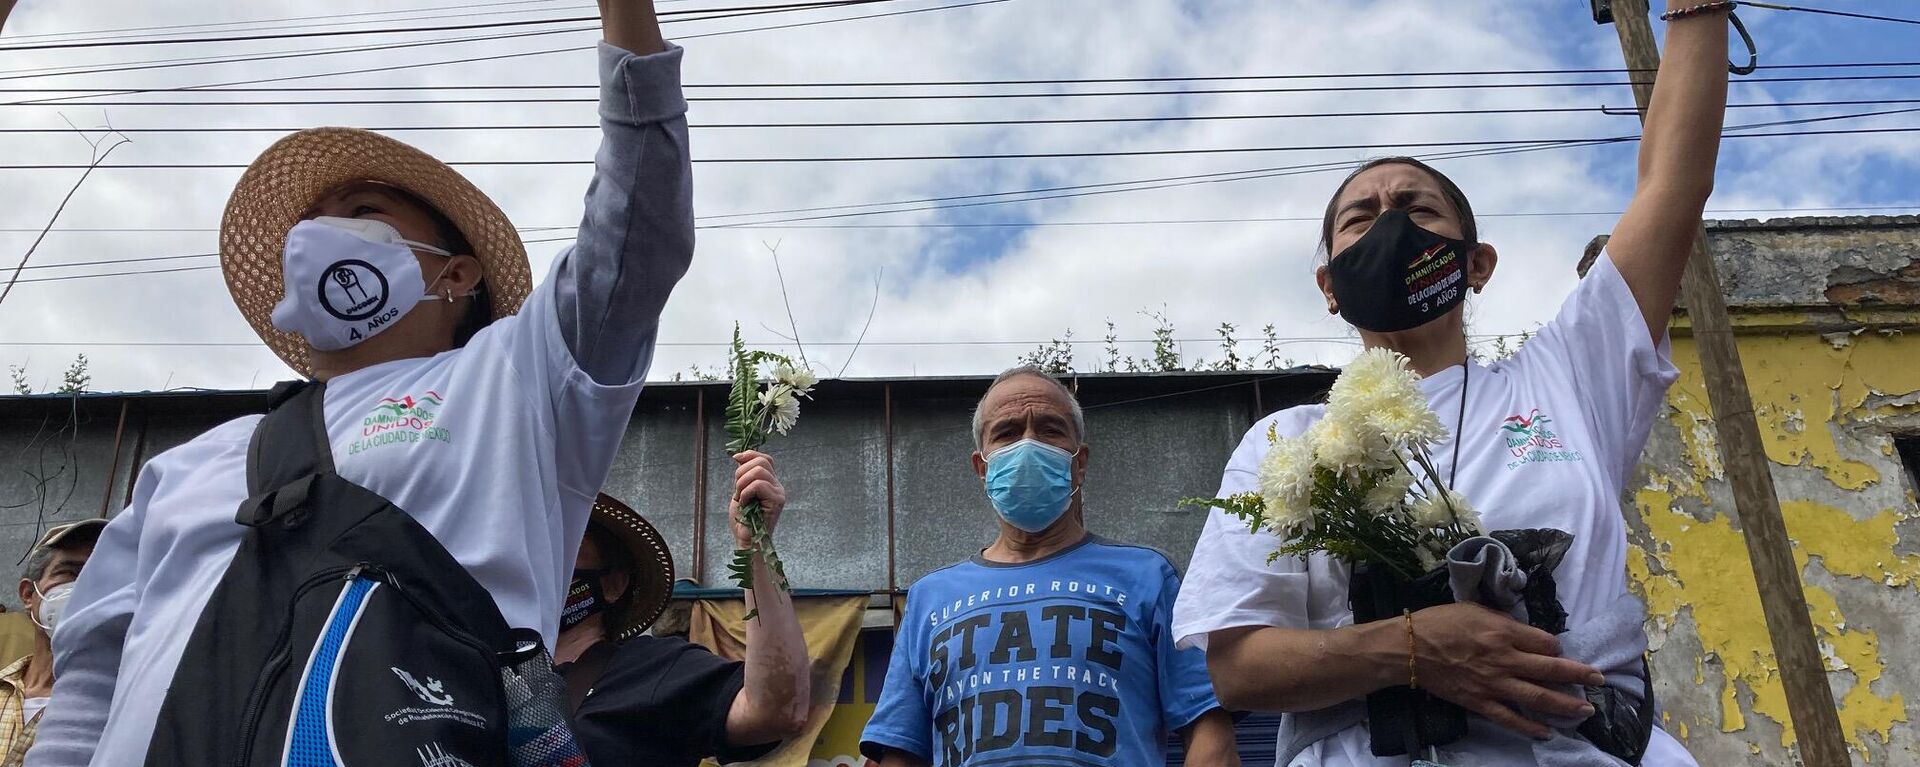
<point x="173" y="63"/>
<point x="211" y="24"/>
<point x="1037" y="155"/>
<point x="971" y="123"/>
<point x="1848" y="14"/>
<point x="742" y="10"/>
<point x="981" y="199"/>
<point x="943" y="342"/>
<point x="950" y="83"/>
<point x="1913" y="206"/>
<point x="816" y="97"/>
<point x="1098" y="189"/>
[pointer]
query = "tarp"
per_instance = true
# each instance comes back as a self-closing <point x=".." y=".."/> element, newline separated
<point x="830" y="624"/>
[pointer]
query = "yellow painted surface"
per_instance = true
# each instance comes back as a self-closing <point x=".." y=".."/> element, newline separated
<point x="1817" y="400"/>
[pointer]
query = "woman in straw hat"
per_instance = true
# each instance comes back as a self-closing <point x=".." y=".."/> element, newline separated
<point x="485" y="408"/>
<point x="663" y="701"/>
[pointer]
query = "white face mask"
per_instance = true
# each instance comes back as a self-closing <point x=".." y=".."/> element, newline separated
<point x="348" y="279"/>
<point x="52" y="602"/>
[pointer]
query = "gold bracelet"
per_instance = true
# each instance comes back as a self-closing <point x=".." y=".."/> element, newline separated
<point x="1413" y="675"/>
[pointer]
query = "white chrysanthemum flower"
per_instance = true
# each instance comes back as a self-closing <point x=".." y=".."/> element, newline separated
<point x="1379" y="387"/>
<point x="799" y="378"/>
<point x="781" y="406"/>
<point x="1441" y="508"/>
<point x="1361" y="383"/>
<point x="1407" y="423"/>
<point x="1286" y="484"/>
<point x="1348" y="444"/>
<point x="1390" y="494"/>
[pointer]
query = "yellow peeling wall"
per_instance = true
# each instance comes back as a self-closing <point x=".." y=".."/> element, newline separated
<point x="1829" y="406"/>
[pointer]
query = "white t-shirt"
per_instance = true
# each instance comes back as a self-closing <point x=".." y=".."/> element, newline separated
<point x="1548" y="439"/>
<point x="498" y="449"/>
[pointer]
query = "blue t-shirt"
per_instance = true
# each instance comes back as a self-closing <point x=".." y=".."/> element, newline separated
<point x="1068" y="660"/>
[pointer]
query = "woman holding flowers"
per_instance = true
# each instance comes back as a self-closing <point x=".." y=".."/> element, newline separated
<point x="1542" y="440"/>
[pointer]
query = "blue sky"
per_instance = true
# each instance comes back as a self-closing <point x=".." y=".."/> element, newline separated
<point x="998" y="289"/>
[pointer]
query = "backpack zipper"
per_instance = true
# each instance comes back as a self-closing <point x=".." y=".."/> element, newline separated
<point x="433" y="616"/>
<point x="277" y="662"/>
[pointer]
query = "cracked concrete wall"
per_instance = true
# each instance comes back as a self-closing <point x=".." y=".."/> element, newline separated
<point x="1834" y="382"/>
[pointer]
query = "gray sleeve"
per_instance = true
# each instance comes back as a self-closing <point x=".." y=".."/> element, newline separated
<point x="636" y="239"/>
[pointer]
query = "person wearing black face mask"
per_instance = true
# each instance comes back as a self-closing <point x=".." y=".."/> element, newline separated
<point x="1540" y="441"/>
<point x="662" y="701"/>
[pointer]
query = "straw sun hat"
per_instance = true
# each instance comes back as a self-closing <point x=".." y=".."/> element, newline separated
<point x="651" y="585"/>
<point x="290" y="177"/>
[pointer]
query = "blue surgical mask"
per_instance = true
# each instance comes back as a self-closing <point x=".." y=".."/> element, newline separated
<point x="1030" y="483"/>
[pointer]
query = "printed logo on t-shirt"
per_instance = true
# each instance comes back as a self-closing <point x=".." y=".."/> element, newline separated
<point x="402" y="420"/>
<point x="1030" y="665"/>
<point x="1530" y="439"/>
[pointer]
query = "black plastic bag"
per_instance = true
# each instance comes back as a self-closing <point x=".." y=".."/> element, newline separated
<point x="1402" y="720"/>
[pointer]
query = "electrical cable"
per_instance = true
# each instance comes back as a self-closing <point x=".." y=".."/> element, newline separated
<point x="943" y="342"/>
<point x="1033" y="155"/>
<point x="356" y="14"/>
<point x="662" y="15"/>
<point x="173" y="63"/>
<point x="77" y="101"/>
<point x="950" y="83"/>
<point x="1822" y="11"/>
<point x="968" y="123"/>
<point x="957" y="123"/>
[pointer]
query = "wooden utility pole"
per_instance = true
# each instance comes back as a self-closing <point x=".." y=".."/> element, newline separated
<point x="1810" y="705"/>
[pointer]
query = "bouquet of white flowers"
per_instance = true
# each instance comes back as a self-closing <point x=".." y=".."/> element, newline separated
<point x="756" y="411"/>
<point x="1361" y="484"/>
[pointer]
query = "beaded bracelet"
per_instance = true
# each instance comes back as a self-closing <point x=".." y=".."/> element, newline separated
<point x="1681" y="13"/>
<point x="1413" y="676"/>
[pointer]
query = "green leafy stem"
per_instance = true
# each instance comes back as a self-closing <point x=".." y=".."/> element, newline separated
<point x="749" y="424"/>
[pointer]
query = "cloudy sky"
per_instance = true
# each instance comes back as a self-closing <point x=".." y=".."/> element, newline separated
<point x="953" y="286"/>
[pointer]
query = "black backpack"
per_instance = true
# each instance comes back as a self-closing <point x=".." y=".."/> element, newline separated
<point x="342" y="633"/>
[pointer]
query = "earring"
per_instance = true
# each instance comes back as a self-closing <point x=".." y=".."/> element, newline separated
<point x="448" y="292"/>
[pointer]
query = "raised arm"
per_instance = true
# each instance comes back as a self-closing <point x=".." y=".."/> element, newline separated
<point x="1679" y="146"/>
<point x="774" y="702"/>
<point x="636" y="238"/>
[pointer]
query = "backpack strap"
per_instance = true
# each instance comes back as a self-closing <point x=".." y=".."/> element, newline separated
<point x="288" y="450"/>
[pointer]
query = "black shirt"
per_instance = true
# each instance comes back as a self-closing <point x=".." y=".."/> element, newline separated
<point x="656" y="701"/>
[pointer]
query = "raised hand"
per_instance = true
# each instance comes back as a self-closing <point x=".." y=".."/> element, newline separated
<point x="753" y="479"/>
<point x="1487" y="662"/>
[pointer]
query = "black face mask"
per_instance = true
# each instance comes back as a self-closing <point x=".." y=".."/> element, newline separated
<point x="1399" y="276"/>
<point x="584" y="599"/>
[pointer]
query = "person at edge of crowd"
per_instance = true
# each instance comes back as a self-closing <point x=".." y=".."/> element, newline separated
<point x="487" y="409"/>
<point x="1052" y="645"/>
<point x="1545" y="439"/>
<point x="46" y="583"/>
<point x="664" y="701"/>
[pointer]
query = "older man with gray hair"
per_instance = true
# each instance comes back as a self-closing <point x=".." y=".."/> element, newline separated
<point x="1052" y="645"/>
<point x="26" y="684"/>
